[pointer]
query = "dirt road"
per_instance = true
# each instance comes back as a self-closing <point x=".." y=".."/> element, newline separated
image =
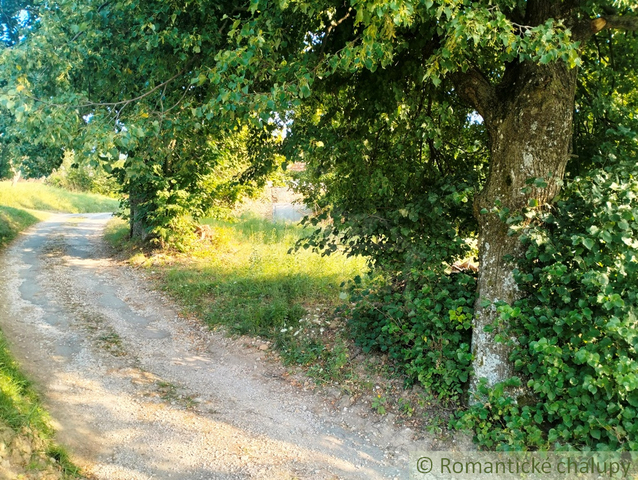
<point x="137" y="392"/>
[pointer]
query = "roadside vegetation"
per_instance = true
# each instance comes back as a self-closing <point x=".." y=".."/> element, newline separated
<point x="575" y="326"/>
<point x="26" y="436"/>
<point x="39" y="196"/>
<point x="414" y="158"/>
<point x="246" y="278"/>
<point x="242" y="276"/>
<point x="27" y="203"/>
<point x="14" y="220"/>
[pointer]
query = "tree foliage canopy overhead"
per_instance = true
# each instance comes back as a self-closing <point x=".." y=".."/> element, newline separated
<point x="429" y="129"/>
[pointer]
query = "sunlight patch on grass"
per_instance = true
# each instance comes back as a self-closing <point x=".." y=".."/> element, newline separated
<point x="116" y="232"/>
<point x="247" y="280"/>
<point x="38" y="196"/>
<point x="244" y="277"/>
<point x="14" y="220"/>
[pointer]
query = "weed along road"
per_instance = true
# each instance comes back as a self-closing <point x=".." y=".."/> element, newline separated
<point x="138" y="392"/>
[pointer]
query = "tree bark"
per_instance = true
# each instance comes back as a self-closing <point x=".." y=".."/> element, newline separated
<point x="16" y="177"/>
<point x="137" y="220"/>
<point x="529" y="120"/>
<point x="530" y="128"/>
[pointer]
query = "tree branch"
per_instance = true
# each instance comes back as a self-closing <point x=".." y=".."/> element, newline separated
<point x="109" y="104"/>
<point x="585" y="30"/>
<point x="474" y="87"/>
<point x="333" y="24"/>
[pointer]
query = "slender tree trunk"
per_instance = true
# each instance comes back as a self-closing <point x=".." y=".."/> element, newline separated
<point x="137" y="223"/>
<point x="16" y="177"/>
<point x="530" y="131"/>
<point x="16" y="172"/>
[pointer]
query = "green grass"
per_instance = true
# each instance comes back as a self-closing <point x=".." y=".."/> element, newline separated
<point x="247" y="280"/>
<point x="116" y="233"/>
<point x="243" y="279"/>
<point x="26" y="203"/>
<point x="20" y="410"/>
<point x="14" y="220"/>
<point x="38" y="196"/>
<point x="19" y="406"/>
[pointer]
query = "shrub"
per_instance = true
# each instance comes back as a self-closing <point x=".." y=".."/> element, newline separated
<point x="79" y="177"/>
<point x="421" y="320"/>
<point x="576" y="329"/>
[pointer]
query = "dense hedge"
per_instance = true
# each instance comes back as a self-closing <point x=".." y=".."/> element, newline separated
<point x="422" y="321"/>
<point x="576" y="335"/>
<point x="575" y="331"/>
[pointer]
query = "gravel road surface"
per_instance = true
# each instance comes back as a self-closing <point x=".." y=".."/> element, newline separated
<point x="138" y="392"/>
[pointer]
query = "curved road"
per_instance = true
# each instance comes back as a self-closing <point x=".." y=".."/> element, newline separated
<point x="137" y="392"/>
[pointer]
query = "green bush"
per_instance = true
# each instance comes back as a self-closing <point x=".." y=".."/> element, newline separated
<point x="415" y="310"/>
<point x="423" y="322"/>
<point x="79" y="177"/>
<point x="576" y="330"/>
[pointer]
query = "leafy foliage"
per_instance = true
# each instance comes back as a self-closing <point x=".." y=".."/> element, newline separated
<point x="76" y="176"/>
<point x="129" y="77"/>
<point x="576" y="328"/>
<point x="409" y="223"/>
<point x="381" y="100"/>
<point x="605" y="118"/>
<point x="348" y="133"/>
<point x="170" y="188"/>
<point x="84" y="96"/>
<point x="423" y="322"/>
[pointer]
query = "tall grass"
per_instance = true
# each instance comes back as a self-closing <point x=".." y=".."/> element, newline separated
<point x="38" y="196"/>
<point x="24" y="204"/>
<point x="246" y="277"/>
<point x="247" y="280"/>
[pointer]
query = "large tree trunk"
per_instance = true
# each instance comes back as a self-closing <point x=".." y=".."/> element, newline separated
<point x="530" y="130"/>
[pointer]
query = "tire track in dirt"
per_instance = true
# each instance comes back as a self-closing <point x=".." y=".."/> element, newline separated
<point x="136" y="392"/>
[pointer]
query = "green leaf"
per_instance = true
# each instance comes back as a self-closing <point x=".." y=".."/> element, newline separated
<point x="588" y="243"/>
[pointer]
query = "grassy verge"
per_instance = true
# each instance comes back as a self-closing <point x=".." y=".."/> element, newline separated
<point x="243" y="279"/>
<point x="37" y="196"/>
<point x="14" y="220"/>
<point x="18" y="402"/>
<point x="242" y="276"/>
<point x="26" y="438"/>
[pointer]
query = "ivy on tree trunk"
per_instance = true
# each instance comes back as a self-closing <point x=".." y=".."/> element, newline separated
<point x="529" y="123"/>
